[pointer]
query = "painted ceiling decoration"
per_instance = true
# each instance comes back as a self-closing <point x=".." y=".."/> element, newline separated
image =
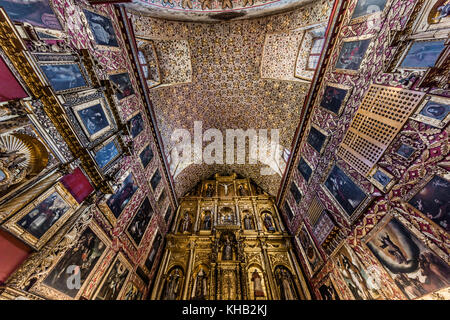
<point x="234" y="75"/>
<point x="212" y="10"/>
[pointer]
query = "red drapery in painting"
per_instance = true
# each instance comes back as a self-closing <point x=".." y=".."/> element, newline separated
<point x="10" y="88"/>
<point x="77" y="184"/>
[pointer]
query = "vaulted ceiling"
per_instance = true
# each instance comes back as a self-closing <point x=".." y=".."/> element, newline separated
<point x="229" y="75"/>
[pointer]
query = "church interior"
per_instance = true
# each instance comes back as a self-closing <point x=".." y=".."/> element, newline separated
<point x="224" y="150"/>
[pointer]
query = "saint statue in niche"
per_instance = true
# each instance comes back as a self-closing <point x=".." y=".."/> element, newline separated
<point x="186" y="222"/>
<point x="242" y="191"/>
<point x="248" y="222"/>
<point x="268" y="222"/>
<point x="257" y="285"/>
<point x="206" y="225"/>
<point x="172" y="285"/>
<point x="227" y="253"/>
<point x="209" y="190"/>
<point x="286" y="285"/>
<point x="200" y="286"/>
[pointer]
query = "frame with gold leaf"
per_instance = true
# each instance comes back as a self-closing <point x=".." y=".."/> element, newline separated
<point x="363" y="56"/>
<point x="435" y="122"/>
<point x="134" y="289"/>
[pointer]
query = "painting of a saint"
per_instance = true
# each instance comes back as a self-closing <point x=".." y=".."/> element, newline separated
<point x="37" y="13"/>
<point x="118" y="201"/>
<point x="316" y="139"/>
<point x="146" y="156"/>
<point x="10" y="88"/>
<point x="435" y="110"/>
<point x="346" y="192"/>
<point x="352" y="54"/>
<point x="328" y="291"/>
<point x="423" y="54"/>
<point x="333" y="99"/>
<point x="102" y="29"/>
<point x="156" y="178"/>
<point x="93" y="118"/>
<point x="366" y="7"/>
<point x="125" y="88"/>
<point x="415" y="269"/>
<point x="106" y="154"/>
<point x="295" y="193"/>
<point x="83" y="255"/>
<point x="304" y="169"/>
<point x="405" y="151"/>
<point x="382" y="178"/>
<point x="114" y="282"/>
<point x="39" y="220"/>
<point x="132" y="292"/>
<point x="151" y="256"/>
<point x="434" y="202"/>
<point x="136" y="125"/>
<point x="139" y="224"/>
<point x="64" y="77"/>
<point x="311" y="253"/>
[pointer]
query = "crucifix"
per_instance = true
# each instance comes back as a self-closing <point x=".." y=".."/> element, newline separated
<point x="226" y="187"/>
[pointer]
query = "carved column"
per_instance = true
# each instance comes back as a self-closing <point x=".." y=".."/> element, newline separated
<point x="189" y="270"/>
<point x="257" y="217"/>
<point x="280" y="222"/>
<point x="268" y="266"/>
<point x="238" y="214"/>
<point x="196" y="226"/>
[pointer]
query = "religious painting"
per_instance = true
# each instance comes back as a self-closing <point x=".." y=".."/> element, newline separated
<point x="155" y="179"/>
<point x="295" y="192"/>
<point x="102" y="29"/>
<point x="405" y="151"/>
<point x="65" y="77"/>
<point x="335" y="97"/>
<point x="362" y="285"/>
<point x="317" y="138"/>
<point x="146" y="155"/>
<point x="153" y="252"/>
<point x="349" y="197"/>
<point x="305" y="169"/>
<point x="422" y="54"/>
<point x="113" y="282"/>
<point x="285" y="283"/>
<point x="41" y="219"/>
<point x="435" y="14"/>
<point x="288" y="210"/>
<point x="10" y="89"/>
<point x="434" y="110"/>
<point x="351" y="55"/>
<point x="401" y="250"/>
<point x="327" y="289"/>
<point x="134" y="289"/>
<point x="168" y="214"/>
<point x="38" y="13"/>
<point x="432" y="200"/>
<point x="365" y="8"/>
<point x="123" y="83"/>
<point x="136" y="125"/>
<point x="309" y="251"/>
<point x="381" y="179"/>
<point x="106" y="153"/>
<point x="138" y="225"/>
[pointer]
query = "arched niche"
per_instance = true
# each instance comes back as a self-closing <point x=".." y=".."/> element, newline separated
<point x="200" y="283"/>
<point x="268" y="220"/>
<point x="227" y="246"/>
<point x="226" y="216"/>
<point x="248" y="220"/>
<point x="206" y="219"/>
<point x="186" y="222"/>
<point x="257" y="282"/>
<point x="287" y="289"/>
<point x="173" y="284"/>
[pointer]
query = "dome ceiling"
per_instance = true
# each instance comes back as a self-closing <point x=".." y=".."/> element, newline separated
<point x="212" y="10"/>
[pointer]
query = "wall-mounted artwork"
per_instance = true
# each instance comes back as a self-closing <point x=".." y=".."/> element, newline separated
<point x="434" y="110"/>
<point x="113" y="282"/>
<point x="38" y="13"/>
<point x="381" y="179"/>
<point x="335" y="97"/>
<point x="146" y="156"/>
<point x="365" y="8"/>
<point x="296" y="192"/>
<point x="309" y="251"/>
<point x="288" y="210"/>
<point x="152" y="254"/>
<point x="156" y="178"/>
<point x="327" y="289"/>
<point x="405" y="151"/>
<point x="422" y="54"/>
<point x="346" y="193"/>
<point x="107" y="152"/>
<point x="431" y="199"/>
<point x="93" y="118"/>
<point x="134" y="289"/>
<point x="123" y="83"/>
<point x="305" y="169"/>
<point x="136" y="125"/>
<point x="138" y="225"/>
<point x="10" y="89"/>
<point x="38" y="221"/>
<point x="102" y="29"/>
<point x="65" y="77"/>
<point x="351" y="55"/>
<point x="317" y="138"/>
<point x="400" y="249"/>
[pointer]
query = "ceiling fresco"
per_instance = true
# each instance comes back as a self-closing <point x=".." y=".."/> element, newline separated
<point x="212" y="10"/>
<point x="219" y="82"/>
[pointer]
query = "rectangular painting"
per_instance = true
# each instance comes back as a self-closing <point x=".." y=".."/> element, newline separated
<point x="112" y="284"/>
<point x="434" y="110"/>
<point x="136" y="125"/>
<point x="38" y="13"/>
<point x="102" y="29"/>
<point x="381" y="179"/>
<point x="317" y="138"/>
<point x="422" y="54"/>
<point x="134" y="289"/>
<point x="433" y="201"/>
<point x="334" y="98"/>
<point x="94" y="118"/>
<point x="156" y="178"/>
<point x="368" y="7"/>
<point x="309" y="251"/>
<point x="351" y="55"/>
<point x="123" y="82"/>
<point x="10" y="89"/>
<point x="38" y="221"/>
<point x="168" y="214"/>
<point x="138" y="225"/>
<point x="83" y="257"/>
<point x="405" y="151"/>
<point x="288" y="210"/>
<point x="146" y="156"/>
<point x="152" y="254"/>
<point x="305" y="169"/>
<point x="327" y="289"/>
<point x="360" y="283"/>
<point x="119" y="200"/>
<point x="348" y="195"/>
<point x="65" y="77"/>
<point x="296" y="192"/>
<point x="414" y="268"/>
<point x="106" y="153"/>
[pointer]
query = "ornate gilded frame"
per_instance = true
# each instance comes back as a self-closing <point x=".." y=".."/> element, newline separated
<point x="322" y="131"/>
<point x="344" y="101"/>
<point x="375" y="15"/>
<point x="51" y="293"/>
<point x="122" y="71"/>
<point x="378" y="184"/>
<point x="91" y="34"/>
<point x="136" y="245"/>
<point x="341" y="45"/>
<point x="37" y="243"/>
<point x="359" y="210"/>
<point x="433" y="122"/>
<point x="134" y="282"/>
<point x="311" y="271"/>
<point x="120" y="256"/>
<point x="111" y="163"/>
<point x="328" y="280"/>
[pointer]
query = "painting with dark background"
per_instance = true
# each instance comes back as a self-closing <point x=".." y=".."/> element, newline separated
<point x="114" y="282"/>
<point x="352" y="54"/>
<point x="118" y="201"/>
<point x="106" y="154"/>
<point x="37" y="13"/>
<point x="154" y="181"/>
<point x="123" y="82"/>
<point x="423" y="54"/>
<point x="316" y="139"/>
<point x="365" y="7"/>
<point x="139" y="224"/>
<point x="64" y="76"/>
<point x="146" y="156"/>
<point x="102" y="29"/>
<point x="151" y="256"/>
<point x="304" y="169"/>
<point x="136" y="125"/>
<point x="333" y="98"/>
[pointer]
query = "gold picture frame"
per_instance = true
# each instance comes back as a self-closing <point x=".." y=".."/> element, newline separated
<point x="383" y="187"/>
<point x="134" y="289"/>
<point x="406" y="47"/>
<point x="363" y="56"/>
<point x="30" y="223"/>
<point x="91" y="34"/>
<point x="152" y="213"/>
<point x="373" y="15"/>
<point x="109" y="164"/>
<point x="311" y="269"/>
<point x="323" y="132"/>
<point x="421" y="116"/>
<point x="343" y="101"/>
